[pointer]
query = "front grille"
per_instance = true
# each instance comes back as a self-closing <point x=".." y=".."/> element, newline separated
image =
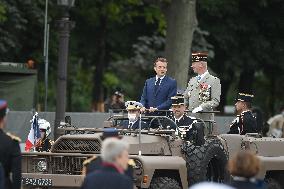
<point x="77" y="145"/>
<point x="59" y="164"/>
<point x="66" y="165"/>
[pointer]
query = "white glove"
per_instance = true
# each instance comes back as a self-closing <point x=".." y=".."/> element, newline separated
<point x="198" y="109"/>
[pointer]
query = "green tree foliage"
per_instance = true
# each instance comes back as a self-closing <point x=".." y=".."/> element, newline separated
<point x="247" y="40"/>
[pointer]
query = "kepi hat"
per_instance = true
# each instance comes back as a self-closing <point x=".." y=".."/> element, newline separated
<point x="244" y="97"/>
<point x="199" y="56"/>
<point x="110" y="132"/>
<point x="177" y="100"/>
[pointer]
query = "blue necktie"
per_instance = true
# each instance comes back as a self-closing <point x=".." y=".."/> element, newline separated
<point x="198" y="78"/>
<point x="157" y="84"/>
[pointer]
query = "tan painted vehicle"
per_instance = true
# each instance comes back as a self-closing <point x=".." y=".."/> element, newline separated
<point x="169" y="159"/>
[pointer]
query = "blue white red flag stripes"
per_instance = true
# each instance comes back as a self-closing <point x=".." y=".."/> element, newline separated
<point x="34" y="134"/>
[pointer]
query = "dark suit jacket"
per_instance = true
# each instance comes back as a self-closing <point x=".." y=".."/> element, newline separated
<point x="10" y="158"/>
<point x="125" y="124"/>
<point x="162" y="98"/>
<point x="245" y="185"/>
<point x="107" y="178"/>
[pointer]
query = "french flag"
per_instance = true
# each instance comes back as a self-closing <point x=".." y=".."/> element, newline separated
<point x="34" y="134"/>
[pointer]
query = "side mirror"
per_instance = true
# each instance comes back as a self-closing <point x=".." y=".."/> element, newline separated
<point x="197" y="134"/>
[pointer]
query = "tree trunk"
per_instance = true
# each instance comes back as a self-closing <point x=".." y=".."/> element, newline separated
<point x="98" y="96"/>
<point x="181" y="22"/>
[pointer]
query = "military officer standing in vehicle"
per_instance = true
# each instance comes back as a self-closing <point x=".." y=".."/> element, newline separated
<point x="203" y="91"/>
<point x="245" y="122"/>
<point x="10" y="154"/>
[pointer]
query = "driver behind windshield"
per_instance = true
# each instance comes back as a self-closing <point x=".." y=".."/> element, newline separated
<point x="133" y="112"/>
<point x="178" y="108"/>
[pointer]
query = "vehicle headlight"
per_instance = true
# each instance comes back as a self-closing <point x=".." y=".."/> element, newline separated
<point x="41" y="165"/>
<point x="138" y="168"/>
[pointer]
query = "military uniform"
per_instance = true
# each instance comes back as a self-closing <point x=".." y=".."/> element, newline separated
<point x="44" y="145"/>
<point x="203" y="91"/>
<point x="95" y="163"/>
<point x="10" y="157"/>
<point x="244" y="123"/>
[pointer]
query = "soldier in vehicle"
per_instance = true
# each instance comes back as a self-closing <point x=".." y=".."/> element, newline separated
<point x="133" y="112"/>
<point x="178" y="115"/>
<point x="44" y="144"/>
<point x="95" y="162"/>
<point x="245" y="122"/>
<point x="10" y="154"/>
<point x="203" y="91"/>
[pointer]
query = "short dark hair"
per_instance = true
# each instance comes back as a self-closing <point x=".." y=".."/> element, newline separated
<point x="160" y="60"/>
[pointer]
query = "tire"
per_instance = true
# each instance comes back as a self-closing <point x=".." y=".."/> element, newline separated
<point x="206" y="162"/>
<point x="164" y="183"/>
<point x="272" y="183"/>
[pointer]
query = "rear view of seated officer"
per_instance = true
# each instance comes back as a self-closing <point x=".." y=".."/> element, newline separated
<point x="245" y="121"/>
<point x="133" y="109"/>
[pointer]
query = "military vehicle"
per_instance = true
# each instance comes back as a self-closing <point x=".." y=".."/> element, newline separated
<point x="170" y="159"/>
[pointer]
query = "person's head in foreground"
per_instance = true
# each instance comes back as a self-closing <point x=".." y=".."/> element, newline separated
<point x="210" y="185"/>
<point x="115" y="152"/>
<point x="178" y="106"/>
<point x="199" y="62"/>
<point x="133" y="109"/>
<point x="244" y="164"/>
<point x="3" y="113"/>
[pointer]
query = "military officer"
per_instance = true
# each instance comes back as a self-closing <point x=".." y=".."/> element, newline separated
<point x="178" y="108"/>
<point x="203" y="91"/>
<point x="95" y="162"/>
<point x="245" y="122"/>
<point x="133" y="112"/>
<point x="44" y="144"/>
<point x="10" y="154"/>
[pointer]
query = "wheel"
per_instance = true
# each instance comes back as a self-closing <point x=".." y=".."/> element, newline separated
<point x="271" y="183"/>
<point x="164" y="183"/>
<point x="206" y="162"/>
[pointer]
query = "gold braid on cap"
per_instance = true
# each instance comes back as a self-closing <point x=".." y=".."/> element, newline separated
<point x="244" y="94"/>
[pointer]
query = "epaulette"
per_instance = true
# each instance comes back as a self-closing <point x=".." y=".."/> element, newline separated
<point x="14" y="137"/>
<point x="131" y="162"/>
<point x="87" y="161"/>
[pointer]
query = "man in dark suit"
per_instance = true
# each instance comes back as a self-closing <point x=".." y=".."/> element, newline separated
<point x="115" y="162"/>
<point x="158" y="90"/>
<point x="133" y="113"/>
<point x="245" y="122"/>
<point x="10" y="154"/>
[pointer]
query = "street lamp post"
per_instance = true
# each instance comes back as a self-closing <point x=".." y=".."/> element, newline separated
<point x="64" y="26"/>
